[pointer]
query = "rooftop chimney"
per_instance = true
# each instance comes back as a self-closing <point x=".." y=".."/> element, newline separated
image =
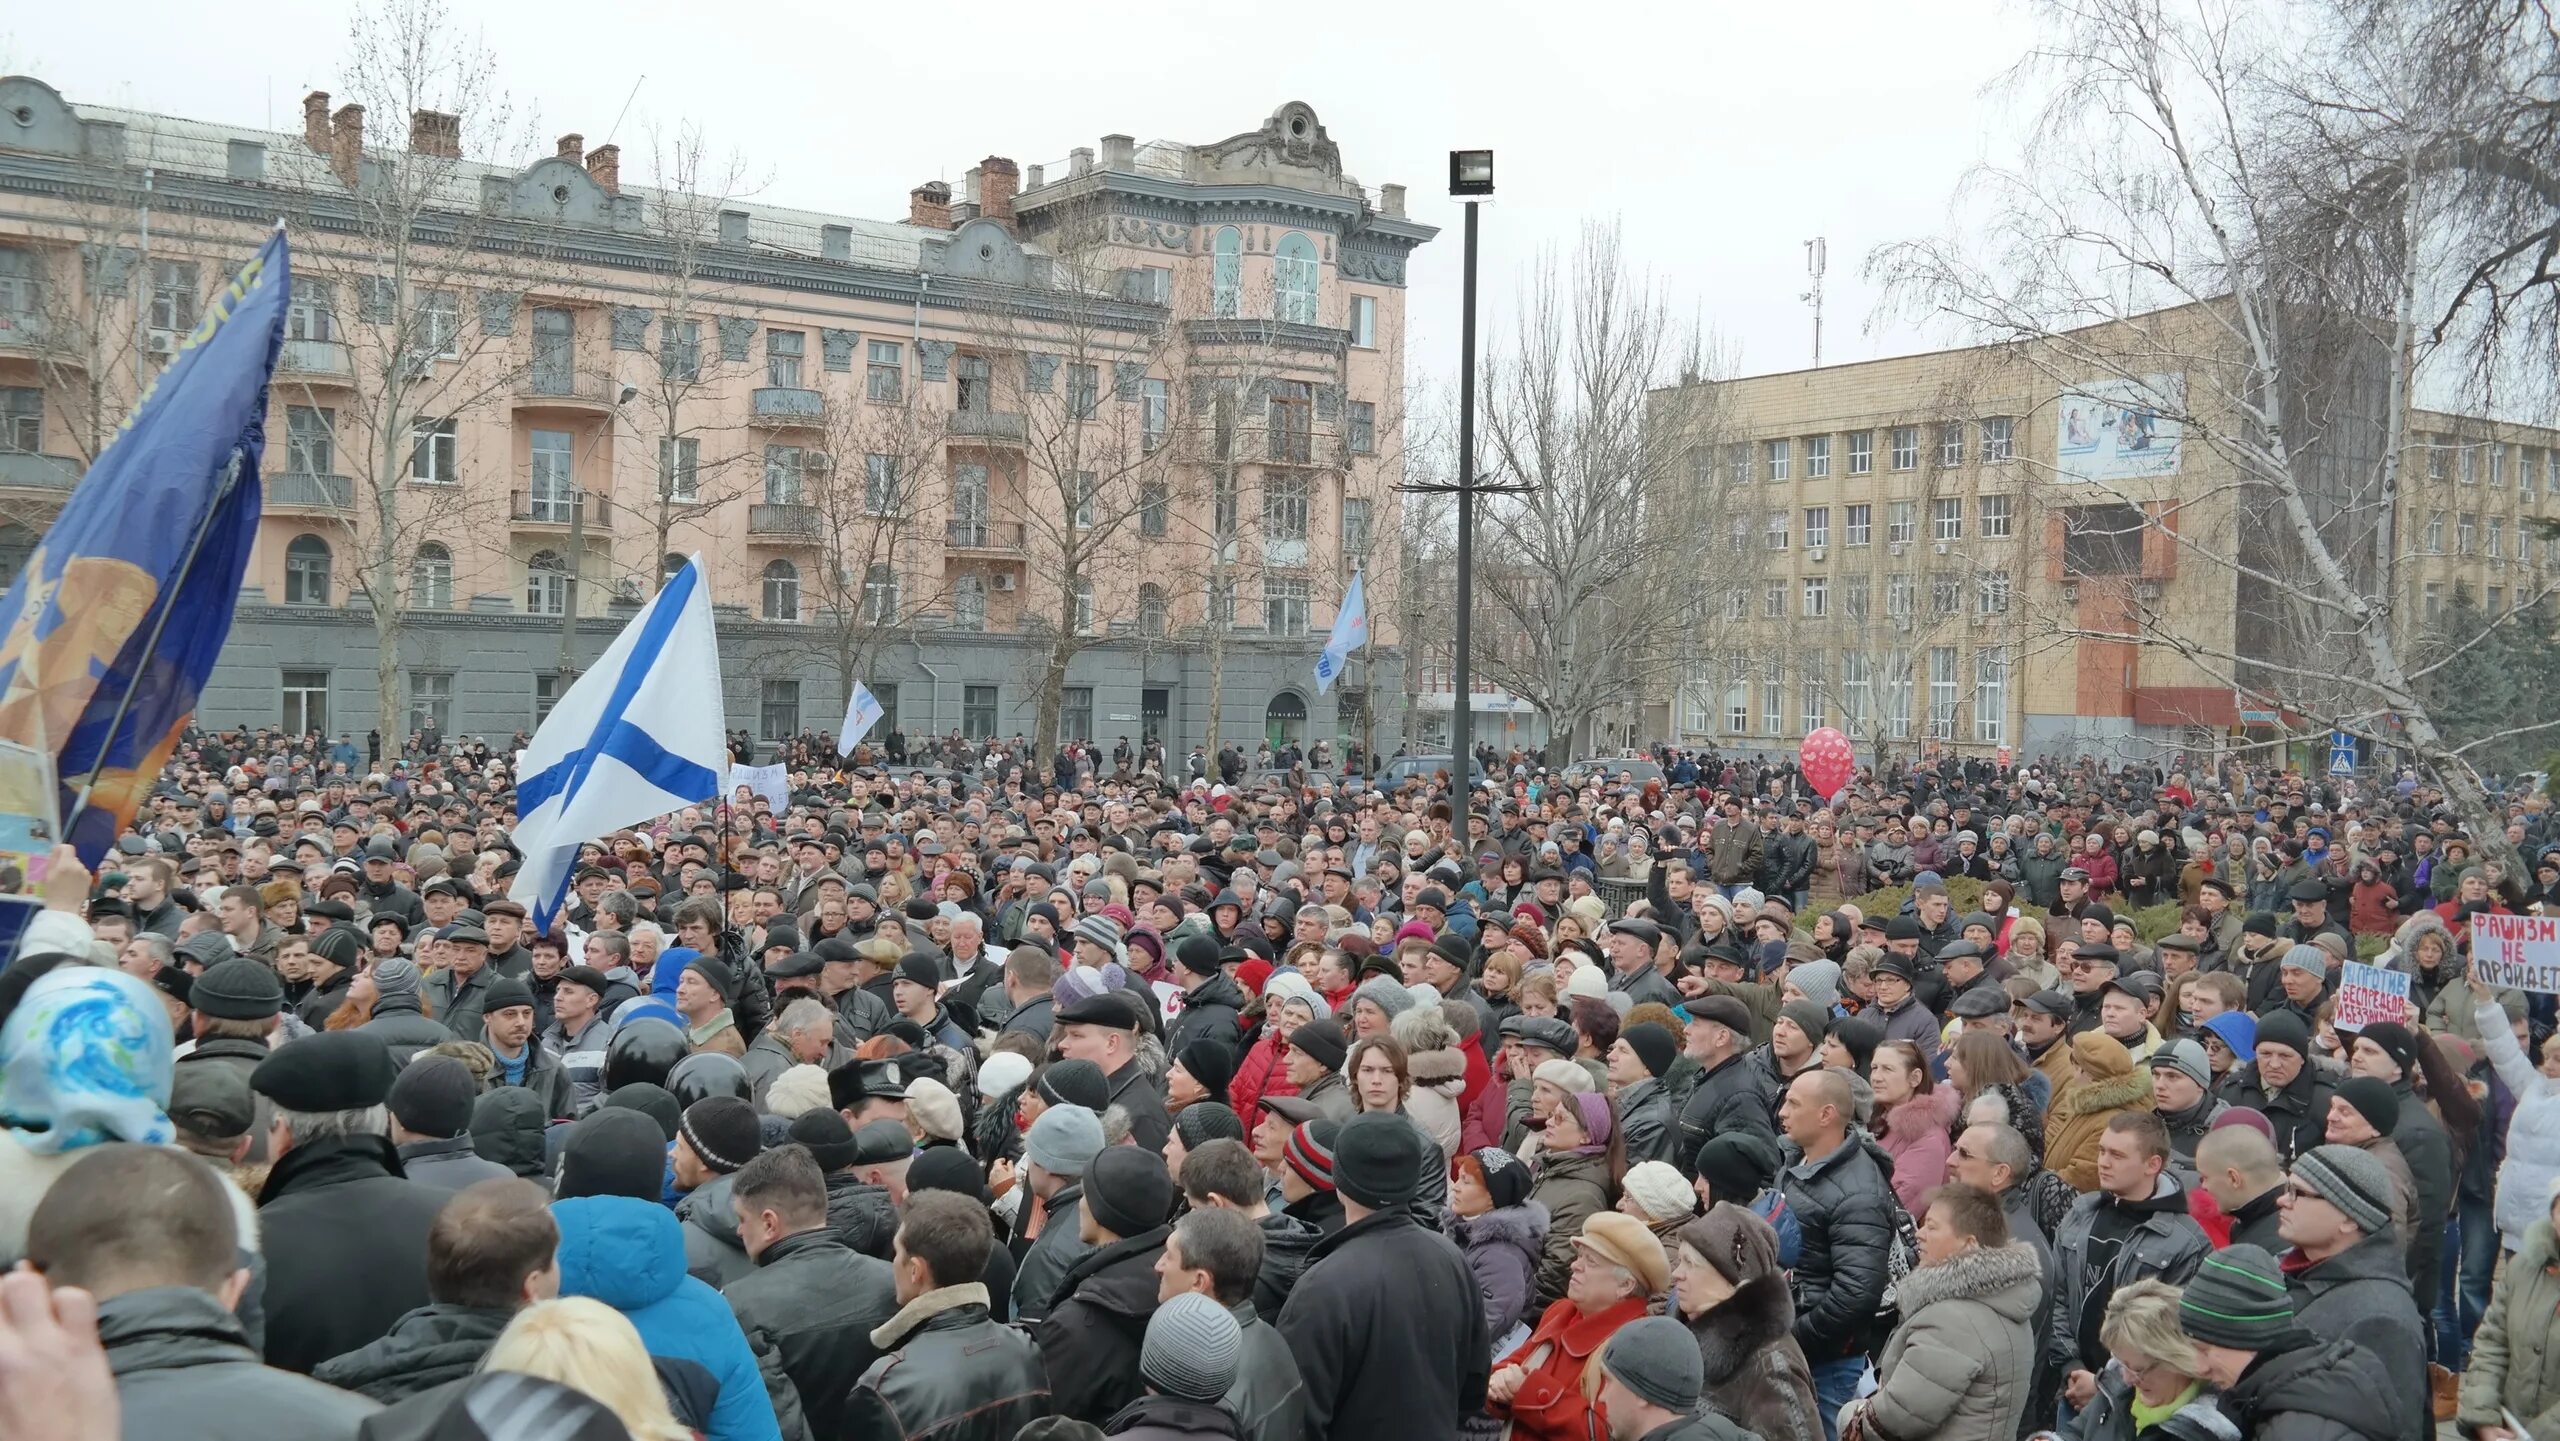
<point x="734" y="227"/>
<point x="1119" y="152"/>
<point x="315" y="121"/>
<point x="1079" y="161"/>
<point x="573" y="148"/>
<point x="432" y="132"/>
<point x="605" y="164"/>
<point x="999" y="180"/>
<point x="929" y="205"/>
<point x="346" y="143"/>
<point x="1391" y="199"/>
<point x="1039" y="176"/>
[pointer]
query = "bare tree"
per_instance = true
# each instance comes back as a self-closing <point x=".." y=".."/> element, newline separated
<point x="1605" y="562"/>
<point x="2221" y="241"/>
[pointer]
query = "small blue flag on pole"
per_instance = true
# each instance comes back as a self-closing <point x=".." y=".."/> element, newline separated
<point x="860" y="715"/>
<point x="1350" y="631"/>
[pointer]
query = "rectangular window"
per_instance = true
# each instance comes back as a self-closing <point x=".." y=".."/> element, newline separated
<point x="174" y="293"/>
<point x="1773" y="601"/>
<point x="547" y="691"/>
<point x="440" y="324"/>
<point x="778" y="714"/>
<point x="1777" y="459"/>
<point x="1951" y="444"/>
<point x="782" y="475"/>
<point x="1222" y="603"/>
<point x="1854" y="591"/>
<point x="312" y="316"/>
<point x="1151" y="285"/>
<point x="1901" y="522"/>
<point x="1857" y="525"/>
<point x="1737" y="699"/>
<point x="1942" y="692"/>
<point x="1356" y="523"/>
<point x="1946" y="593"/>
<point x="1895" y="683"/>
<point x="1284" y="607"/>
<point x="2466" y="534"/>
<point x="431" y="700"/>
<point x="2528" y="466"/>
<point x="680" y="349"/>
<point x="1990" y="695"/>
<point x="1817" y="597"/>
<point x="1946" y="518"/>
<point x="1995" y="517"/>
<point x="1083" y="488"/>
<point x="310" y="446"/>
<point x="1292" y="418"/>
<point x="1862" y="452"/>
<point x="1737" y="604"/>
<point x="881" y="485"/>
<point x="1363" y="427"/>
<point x="1155" y="507"/>
<point x="784" y="352"/>
<point x="2496" y="598"/>
<point x="1773" y="701"/>
<point x="1810" y="699"/>
<point x="974" y="378"/>
<point x="2435" y="532"/>
<point x="1737" y="463"/>
<point x="1364" y="321"/>
<point x="680" y="467"/>
<point x="1906" y="447"/>
<point x="978" y="712"/>
<point x="1898" y="593"/>
<point x="1996" y="435"/>
<point x="21" y="419"/>
<point x="884" y="377"/>
<point x="2440" y="458"/>
<point x="1284" y="507"/>
<point x="1075" y="713"/>
<point x="434" y="457"/>
<point x="1084" y="391"/>
<point x="2434" y="609"/>
<point x="21" y="281"/>
<point x="306" y="701"/>
<point x="1817" y="527"/>
<point x="2469" y="465"/>
<point x="1857" y="699"/>
<point x="2498" y="464"/>
<point x="1739" y="531"/>
<point x="1697" y="714"/>
<point x="1776" y="531"/>
<point x="2496" y="544"/>
<point x="1155" y="411"/>
<point x="880" y="592"/>
<point x="1991" y="596"/>
<point x="1817" y="457"/>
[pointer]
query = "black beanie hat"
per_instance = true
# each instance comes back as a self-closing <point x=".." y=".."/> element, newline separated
<point x="2373" y="1100"/>
<point x="433" y="1096"/>
<point x="946" y="1168"/>
<point x="1737" y="1165"/>
<point x="2284" y="1028"/>
<point x="1211" y="1063"/>
<point x="2397" y="1041"/>
<point x="1198" y="954"/>
<point x="613" y="1152"/>
<point x="1506" y="1176"/>
<point x="722" y="1130"/>
<point x="653" y="1101"/>
<point x="1205" y="1121"/>
<point x="1127" y="1190"/>
<point x="1378" y="1159"/>
<point x="1075" y="1083"/>
<point x="1653" y="1045"/>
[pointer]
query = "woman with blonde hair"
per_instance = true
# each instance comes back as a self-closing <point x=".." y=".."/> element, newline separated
<point x="590" y="1347"/>
<point x="2151" y="1368"/>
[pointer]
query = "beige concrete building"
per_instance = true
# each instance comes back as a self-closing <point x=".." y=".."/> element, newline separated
<point x="1951" y="545"/>
<point x="1113" y="430"/>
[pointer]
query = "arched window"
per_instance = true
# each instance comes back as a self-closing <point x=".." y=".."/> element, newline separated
<point x="969" y="603"/>
<point x="781" y="591"/>
<point x="431" y="578"/>
<point x="546" y="584"/>
<point x="306" y="571"/>
<point x="1293" y="279"/>
<point x="17" y="547"/>
<point x="1284" y="721"/>
<point x="668" y="565"/>
<point x="1226" y="270"/>
<point x="1151" y="610"/>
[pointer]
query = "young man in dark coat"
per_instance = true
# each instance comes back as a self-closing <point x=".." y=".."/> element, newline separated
<point x="494" y="1250"/>
<point x="1097" y="1321"/>
<point x="2276" y="1378"/>
<point x="952" y="1372"/>
<point x="810" y="1304"/>
<point x="1387" y="1324"/>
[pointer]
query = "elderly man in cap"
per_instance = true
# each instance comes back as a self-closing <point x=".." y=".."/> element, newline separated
<point x="1212" y="1003"/>
<point x="1631" y="968"/>
<point x="235" y="1006"/>
<point x="1731" y="1094"/>
<point x="1106" y="1030"/>
<point x="346" y="1231"/>
<point x="458" y="994"/>
<point x="2125" y="1002"/>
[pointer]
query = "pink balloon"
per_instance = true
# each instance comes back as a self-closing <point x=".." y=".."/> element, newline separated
<point x="1826" y="761"/>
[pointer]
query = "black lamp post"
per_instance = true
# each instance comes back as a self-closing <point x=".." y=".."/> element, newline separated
<point x="1471" y="181"/>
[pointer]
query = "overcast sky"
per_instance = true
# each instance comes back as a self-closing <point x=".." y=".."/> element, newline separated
<point x="1721" y="136"/>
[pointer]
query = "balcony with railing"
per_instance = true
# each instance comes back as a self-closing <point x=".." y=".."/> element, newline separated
<point x="26" y="470"/>
<point x="783" y="521"/>
<point x="310" y="494"/>
<point x="316" y="362"/>
<point x="1006" y="426"/>
<point x="784" y="407"/>
<point x="557" y="388"/>
<point x="994" y="537"/>
<point x="22" y="328"/>
<point x="545" y="510"/>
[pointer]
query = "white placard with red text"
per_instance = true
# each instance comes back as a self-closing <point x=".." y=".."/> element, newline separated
<point x="2517" y="952"/>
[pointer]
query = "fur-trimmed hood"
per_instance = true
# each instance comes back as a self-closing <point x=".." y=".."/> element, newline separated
<point x="2008" y="1279"/>
<point x="1438" y="1069"/>
<point x="2403" y="955"/>
<point x="1524" y="1225"/>
<point x="1758" y="1315"/>
<point x="1915" y="1118"/>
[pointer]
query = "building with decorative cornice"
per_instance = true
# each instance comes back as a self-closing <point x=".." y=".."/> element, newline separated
<point x="1092" y="446"/>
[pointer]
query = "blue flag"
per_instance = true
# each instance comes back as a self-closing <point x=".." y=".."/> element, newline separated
<point x="1350" y="631"/>
<point x="116" y="620"/>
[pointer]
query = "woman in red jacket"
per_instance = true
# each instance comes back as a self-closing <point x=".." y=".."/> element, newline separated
<point x="1549" y="1389"/>
<point x="2100" y="862"/>
<point x="1264" y="1071"/>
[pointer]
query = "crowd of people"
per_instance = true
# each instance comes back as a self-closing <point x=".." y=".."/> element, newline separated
<point x="1000" y="1100"/>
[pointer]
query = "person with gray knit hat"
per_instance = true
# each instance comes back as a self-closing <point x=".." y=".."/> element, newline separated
<point x="1055" y="1152"/>
<point x="1376" y="1004"/>
<point x="398" y="1020"/>
<point x="2277" y="1376"/>
<point x="2347" y="1276"/>
<point x="1651" y="1376"/>
<point x="2182" y="1095"/>
<point x="1192" y="1351"/>
<point x="1816" y="981"/>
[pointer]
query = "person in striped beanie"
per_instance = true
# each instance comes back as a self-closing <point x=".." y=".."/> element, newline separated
<point x="2276" y="1379"/>
<point x="1306" y="1175"/>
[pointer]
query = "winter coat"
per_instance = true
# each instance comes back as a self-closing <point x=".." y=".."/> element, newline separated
<point x="1844" y="1207"/>
<point x="861" y="1214"/>
<point x="1097" y="1324"/>
<point x="808" y="1309"/>
<point x="1962" y="1362"/>
<point x="2525" y="1178"/>
<point x="1211" y="1011"/>
<point x="2110" y="1416"/>
<point x="712" y="1251"/>
<point x="1287" y="1241"/>
<point x="950" y="1373"/>
<point x="346" y="1247"/>
<point x="1755" y="1370"/>
<point x="449" y="1165"/>
<point x="1141" y="1095"/>
<point x="1438" y="1077"/>
<point x="2429" y="1152"/>
<point x="629" y="1254"/>
<point x="1263" y="1073"/>
<point x="1269" y="1398"/>
<point x="1388" y="1329"/>
<point x="1551" y="1404"/>
<point x="1733" y="854"/>
<point x="508" y="1127"/>
<point x="184" y="1368"/>
<point x="1573" y="1189"/>
<point x="1735" y="1096"/>
<point x="2515" y="1355"/>
<point x="1047" y="1257"/>
<point x="1170" y="1418"/>
<point x="1502" y="1248"/>
<point x="428" y="1347"/>
<point x="2040" y="879"/>
<point x="1644" y="1116"/>
<point x="398" y="1023"/>
<point x="2362" y="1295"/>
<point x="1916" y="1137"/>
<point x="2164" y="1242"/>
<point x="2318" y="1389"/>
<point x="2079" y="1115"/>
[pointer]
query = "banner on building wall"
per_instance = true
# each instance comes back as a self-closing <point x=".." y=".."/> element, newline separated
<point x="2121" y="428"/>
<point x="2517" y="952"/>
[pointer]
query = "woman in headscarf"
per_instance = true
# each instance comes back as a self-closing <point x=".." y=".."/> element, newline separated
<point x="1581" y="1164"/>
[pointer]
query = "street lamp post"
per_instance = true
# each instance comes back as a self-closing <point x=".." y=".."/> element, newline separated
<point x="1470" y="180"/>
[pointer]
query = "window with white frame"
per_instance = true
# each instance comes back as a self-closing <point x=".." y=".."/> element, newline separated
<point x="305" y="694"/>
<point x="1857" y="696"/>
<point x="313" y="315"/>
<point x="784" y="352"/>
<point x="1697" y="706"/>
<point x="1997" y="433"/>
<point x="1990" y="695"/>
<point x="22" y="281"/>
<point x="781" y="591"/>
<point x="1773" y="601"/>
<point x="1946" y="518"/>
<point x="1226" y="272"/>
<point x="969" y="603"/>
<point x="1285" y="503"/>
<point x="1737" y="698"/>
<point x="434" y="452"/>
<point x="1155" y="507"/>
<point x="310" y="436"/>
<point x="1854" y="591"/>
<point x="680" y="467"/>
<point x="1294" y="273"/>
<point x="431" y="700"/>
<point x="2435" y="532"/>
<point x="884" y="373"/>
<point x="1777" y="460"/>
<point x="1737" y="461"/>
<point x="1896" y="686"/>
<point x="973" y="378"/>
<point x="978" y="705"/>
<point x="784" y="468"/>
<point x="881" y="487"/>
<point x="1084" y="390"/>
<point x="2440" y="458"/>
<point x="1152" y="610"/>
<point x="2494" y="545"/>
<point x="778" y="710"/>
<point x="1737" y="604"/>
<point x="431" y="577"/>
<point x="2528" y="467"/>
<point x="440" y="324"/>
<point x="1901" y="522"/>
<point x="21" y="419"/>
<point x="1739" y="527"/>
<point x="1946" y="593"/>
<point x="1817" y="597"/>
<point x="2466" y="533"/>
<point x="1285" y="607"/>
<point x="879" y="592"/>
<point x="1906" y="447"/>
<point x="546" y="584"/>
<point x="1898" y="594"/>
<point x="1155" y="411"/>
<point x="1361" y="426"/>
<point x="1862" y="452"/>
<point x="1991" y="595"/>
<point x="1817" y="526"/>
<point x="1773" y="701"/>
<point x="1942" y="692"/>
<point x="1084" y="605"/>
<point x="1357" y="526"/>
<point x="1996" y="517"/>
<point x="1817" y="457"/>
<point x="1951" y="444"/>
<point x="1776" y="532"/>
<point x="1809" y="699"/>
<point x="1857" y="525"/>
<point x="175" y="291"/>
<point x="1364" y="321"/>
<point x="2497" y="463"/>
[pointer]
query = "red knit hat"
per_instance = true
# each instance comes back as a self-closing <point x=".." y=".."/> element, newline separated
<point x="1310" y="1153"/>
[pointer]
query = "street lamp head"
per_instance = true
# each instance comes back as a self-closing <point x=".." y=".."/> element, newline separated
<point x="629" y="394"/>
<point x="1470" y="173"/>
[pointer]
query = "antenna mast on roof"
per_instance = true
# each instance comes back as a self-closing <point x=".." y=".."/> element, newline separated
<point x="1816" y="259"/>
<point x="626" y="108"/>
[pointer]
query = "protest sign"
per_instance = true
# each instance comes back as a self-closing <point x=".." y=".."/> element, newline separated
<point x="2517" y="952"/>
<point x="771" y="782"/>
<point x="28" y="801"/>
<point x="2367" y="994"/>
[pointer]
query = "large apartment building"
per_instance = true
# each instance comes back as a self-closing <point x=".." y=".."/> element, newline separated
<point x="1954" y="546"/>
<point x="1116" y="428"/>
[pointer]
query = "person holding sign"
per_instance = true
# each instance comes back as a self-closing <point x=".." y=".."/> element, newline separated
<point x="2532" y="1165"/>
<point x="2396" y="1056"/>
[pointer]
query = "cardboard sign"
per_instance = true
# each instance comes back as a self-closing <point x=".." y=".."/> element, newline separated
<point x="2367" y="994"/>
<point x="771" y="782"/>
<point x="2517" y="952"/>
